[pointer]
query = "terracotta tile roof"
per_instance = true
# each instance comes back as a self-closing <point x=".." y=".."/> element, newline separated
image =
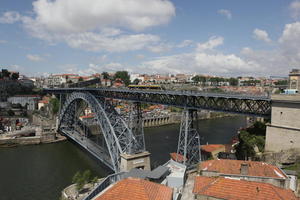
<point x="230" y="189"/>
<point x="174" y="156"/>
<point x="134" y="188"/>
<point x="234" y="167"/>
<point x="212" y="147"/>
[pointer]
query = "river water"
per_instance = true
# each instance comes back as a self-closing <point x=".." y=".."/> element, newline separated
<point x="40" y="172"/>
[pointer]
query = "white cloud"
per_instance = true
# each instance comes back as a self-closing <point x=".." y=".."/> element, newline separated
<point x="289" y="44"/>
<point x="226" y="13"/>
<point x="185" y="43"/>
<point x="95" y="25"/>
<point x="210" y="44"/>
<point x="200" y="62"/>
<point x="261" y="35"/>
<point x="94" y="14"/>
<point x="34" y="58"/>
<point x="3" y="41"/>
<point x="295" y="9"/>
<point x="160" y="48"/>
<point x="95" y="42"/>
<point x="140" y="56"/>
<point x="10" y="17"/>
<point x="93" y="68"/>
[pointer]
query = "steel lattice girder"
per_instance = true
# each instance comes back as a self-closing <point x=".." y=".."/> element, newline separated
<point x="240" y="104"/>
<point x="118" y="136"/>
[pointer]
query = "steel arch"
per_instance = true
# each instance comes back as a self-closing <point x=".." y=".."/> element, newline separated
<point x="118" y="137"/>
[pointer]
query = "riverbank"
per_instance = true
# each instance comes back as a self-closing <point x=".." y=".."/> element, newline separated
<point x="175" y="118"/>
<point x="33" y="140"/>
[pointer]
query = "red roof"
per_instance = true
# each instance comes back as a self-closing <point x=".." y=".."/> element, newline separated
<point x="234" y="167"/>
<point x="44" y="101"/>
<point x="212" y="147"/>
<point x="180" y="157"/>
<point x="91" y="115"/>
<point x="134" y="188"/>
<point x="224" y="188"/>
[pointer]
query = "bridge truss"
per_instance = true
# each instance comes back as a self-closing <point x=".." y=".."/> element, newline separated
<point x="122" y="138"/>
<point x="117" y="135"/>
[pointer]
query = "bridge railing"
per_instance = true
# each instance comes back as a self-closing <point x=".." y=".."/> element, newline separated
<point x="111" y="179"/>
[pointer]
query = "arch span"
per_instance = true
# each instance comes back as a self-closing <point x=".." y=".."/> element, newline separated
<point x="118" y="137"/>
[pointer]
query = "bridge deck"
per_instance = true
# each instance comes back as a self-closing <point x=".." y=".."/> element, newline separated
<point x="240" y="104"/>
<point x="90" y="146"/>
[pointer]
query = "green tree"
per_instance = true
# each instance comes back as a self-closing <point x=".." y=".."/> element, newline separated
<point x="105" y="75"/>
<point x="5" y="73"/>
<point x="233" y="81"/>
<point x="94" y="180"/>
<point x="55" y="105"/>
<point x="80" y="79"/>
<point x="15" y="76"/>
<point x="136" y="81"/>
<point x="86" y="176"/>
<point x="199" y="79"/>
<point x="76" y="177"/>
<point x="124" y="76"/>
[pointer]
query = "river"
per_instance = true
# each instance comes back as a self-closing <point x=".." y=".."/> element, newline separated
<point x="42" y="171"/>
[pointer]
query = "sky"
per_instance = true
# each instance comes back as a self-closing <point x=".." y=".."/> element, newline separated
<point x="210" y="37"/>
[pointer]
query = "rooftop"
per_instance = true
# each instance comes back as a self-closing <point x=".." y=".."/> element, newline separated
<point x="180" y="157"/>
<point x="133" y="188"/>
<point x="233" y="167"/>
<point x="212" y="147"/>
<point x="230" y="189"/>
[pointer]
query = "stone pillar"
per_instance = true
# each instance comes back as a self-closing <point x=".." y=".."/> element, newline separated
<point x="140" y="160"/>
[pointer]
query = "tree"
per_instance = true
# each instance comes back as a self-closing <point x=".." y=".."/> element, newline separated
<point x="233" y="81"/>
<point x="80" y="179"/>
<point x="124" y="76"/>
<point x="80" y="79"/>
<point x="199" y="79"/>
<point x="136" y="81"/>
<point x="15" y="76"/>
<point x="5" y="73"/>
<point x="94" y="180"/>
<point x="86" y="176"/>
<point x="105" y="76"/>
<point x="55" y="105"/>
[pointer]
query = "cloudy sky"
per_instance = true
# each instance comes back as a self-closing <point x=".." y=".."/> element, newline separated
<point x="216" y="37"/>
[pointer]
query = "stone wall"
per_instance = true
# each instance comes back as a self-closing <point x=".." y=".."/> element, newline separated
<point x="284" y="131"/>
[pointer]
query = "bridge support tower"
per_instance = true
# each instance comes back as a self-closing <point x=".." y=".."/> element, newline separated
<point x="188" y="150"/>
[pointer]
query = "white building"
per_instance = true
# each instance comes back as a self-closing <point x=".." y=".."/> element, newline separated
<point x="29" y="100"/>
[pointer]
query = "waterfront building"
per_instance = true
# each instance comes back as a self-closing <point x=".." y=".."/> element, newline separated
<point x="206" y="188"/>
<point x="135" y="188"/>
<point x="30" y="101"/>
<point x="245" y="170"/>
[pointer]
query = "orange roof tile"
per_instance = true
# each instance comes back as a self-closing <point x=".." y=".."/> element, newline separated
<point x="212" y="147"/>
<point x="230" y="189"/>
<point x="180" y="157"/>
<point x="134" y="188"/>
<point x="234" y="167"/>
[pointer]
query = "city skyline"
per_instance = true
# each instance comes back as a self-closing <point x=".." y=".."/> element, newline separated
<point x="229" y="38"/>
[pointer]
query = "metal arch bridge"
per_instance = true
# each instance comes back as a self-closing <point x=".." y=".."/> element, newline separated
<point x="118" y="137"/>
<point x="121" y="138"/>
<point x="239" y="104"/>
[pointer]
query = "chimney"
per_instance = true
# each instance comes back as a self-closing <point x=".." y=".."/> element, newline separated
<point x="244" y="168"/>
